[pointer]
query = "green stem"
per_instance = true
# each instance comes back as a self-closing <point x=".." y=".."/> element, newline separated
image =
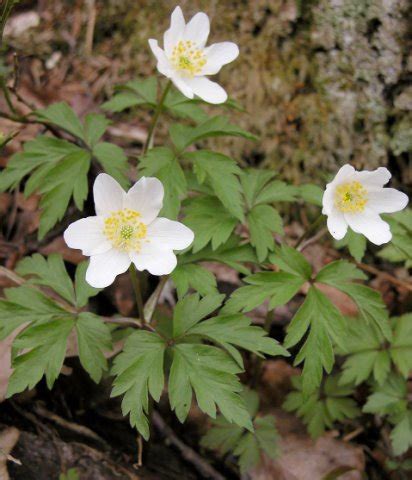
<point x="137" y="292"/>
<point x="312" y="228"/>
<point x="158" y="111"/>
<point x="7" y="96"/>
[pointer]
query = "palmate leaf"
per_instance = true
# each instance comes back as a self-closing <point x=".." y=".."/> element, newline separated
<point x="183" y="136"/>
<point x="323" y="407"/>
<point x="134" y="93"/>
<point x="139" y="371"/>
<point x="211" y="374"/>
<point x="222" y="174"/>
<point x="356" y="244"/>
<point x="210" y="221"/>
<point x="391" y="399"/>
<point x="162" y="163"/>
<point x="340" y="274"/>
<point x="232" y="253"/>
<point x="369" y="353"/>
<point x="263" y="222"/>
<point x="39" y="349"/>
<point x="193" y="276"/>
<point x="247" y="446"/>
<point x="47" y="342"/>
<point x="400" y="248"/>
<point x="58" y="169"/>
<point x="279" y="287"/>
<point x="326" y="325"/>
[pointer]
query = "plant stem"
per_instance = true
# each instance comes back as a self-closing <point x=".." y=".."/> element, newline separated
<point x="137" y="292"/>
<point x="158" y="111"/>
<point x="312" y="228"/>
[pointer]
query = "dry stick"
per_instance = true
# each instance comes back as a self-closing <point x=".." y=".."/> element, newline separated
<point x="390" y="278"/>
<point x="74" y="427"/>
<point x="204" y="468"/>
<point x="88" y="47"/>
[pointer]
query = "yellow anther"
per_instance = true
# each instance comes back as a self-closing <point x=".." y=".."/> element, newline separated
<point x="124" y="230"/>
<point x="188" y="59"/>
<point x="351" y="197"/>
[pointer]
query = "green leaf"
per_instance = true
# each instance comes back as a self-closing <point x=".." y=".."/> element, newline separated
<point x="400" y="248"/>
<point x="401" y="345"/>
<point x="368" y="301"/>
<point x="362" y="345"/>
<point x="324" y="406"/>
<point x="139" y="371"/>
<point x="389" y="398"/>
<point x="264" y="221"/>
<point x="210" y="222"/>
<point x="220" y="171"/>
<point x="67" y="179"/>
<point x="311" y="193"/>
<point x="179" y="105"/>
<point x="162" y="163"/>
<point x="193" y="276"/>
<point x="231" y="253"/>
<point x="95" y="125"/>
<point x="231" y="331"/>
<point x="113" y="160"/>
<point x="279" y="287"/>
<point x="356" y="244"/>
<point x="326" y="325"/>
<point x="134" y="93"/>
<point x="290" y="260"/>
<point x="83" y="290"/>
<point x="254" y="182"/>
<point x="47" y="343"/>
<point x="50" y="272"/>
<point x="401" y="435"/>
<point x="211" y="374"/>
<point x="61" y="115"/>
<point x="182" y="136"/>
<point x="93" y="339"/>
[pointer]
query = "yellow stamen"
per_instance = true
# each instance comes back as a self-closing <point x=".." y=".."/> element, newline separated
<point x="124" y="230"/>
<point x="351" y="197"/>
<point x="188" y="59"/>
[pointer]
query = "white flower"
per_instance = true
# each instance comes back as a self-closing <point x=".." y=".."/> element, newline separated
<point x="126" y="229"/>
<point x="186" y="60"/>
<point x="356" y="199"/>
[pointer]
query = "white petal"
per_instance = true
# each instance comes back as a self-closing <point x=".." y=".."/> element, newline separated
<point x="105" y="267"/>
<point x="219" y="54"/>
<point x="337" y="225"/>
<point x="376" y="178"/>
<point x="387" y="200"/>
<point x="175" y="33"/>
<point x="108" y="194"/>
<point x="370" y="224"/>
<point x="181" y="85"/>
<point x="198" y="29"/>
<point x="146" y="197"/>
<point x="163" y="64"/>
<point x="87" y="235"/>
<point x="343" y="174"/>
<point x="155" y="260"/>
<point x="207" y="90"/>
<point x="171" y="234"/>
<point x="328" y="200"/>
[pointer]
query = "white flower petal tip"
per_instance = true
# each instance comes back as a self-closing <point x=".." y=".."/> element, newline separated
<point x="356" y="199"/>
<point x="186" y="60"/>
<point x="126" y="229"/>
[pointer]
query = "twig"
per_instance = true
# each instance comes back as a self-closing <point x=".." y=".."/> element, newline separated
<point x="10" y="458"/>
<point x="206" y="470"/>
<point x="385" y="275"/>
<point x="312" y="228"/>
<point x="313" y="239"/>
<point x="139" y="451"/>
<point x="91" y="22"/>
<point x="74" y="427"/>
<point x="351" y="435"/>
<point x="151" y="303"/>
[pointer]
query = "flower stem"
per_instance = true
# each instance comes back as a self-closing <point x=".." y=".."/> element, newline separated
<point x="312" y="228"/>
<point x="158" y="111"/>
<point x="137" y="292"/>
